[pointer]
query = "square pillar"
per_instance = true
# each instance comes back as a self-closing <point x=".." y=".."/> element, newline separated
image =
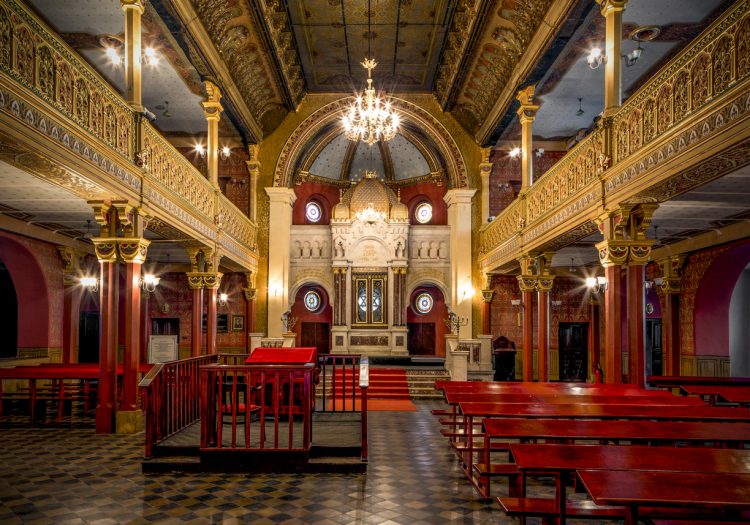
<point x="279" y="246"/>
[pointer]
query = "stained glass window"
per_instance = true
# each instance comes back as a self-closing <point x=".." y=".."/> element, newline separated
<point x="423" y="303"/>
<point x="423" y="213"/>
<point x="312" y="301"/>
<point x="370" y="299"/>
<point x="313" y="212"/>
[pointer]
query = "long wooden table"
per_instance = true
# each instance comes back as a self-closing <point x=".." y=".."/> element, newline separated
<point x="691" y="490"/>
<point x="731" y="394"/>
<point x="561" y="461"/>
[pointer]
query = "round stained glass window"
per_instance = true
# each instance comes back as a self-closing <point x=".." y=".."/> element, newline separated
<point x="313" y="213"/>
<point x="312" y="301"/>
<point x="423" y="213"/>
<point x="423" y="303"/>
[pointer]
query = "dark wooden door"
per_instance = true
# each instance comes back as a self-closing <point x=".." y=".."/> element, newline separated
<point x="317" y="335"/>
<point x="573" y="351"/>
<point x="421" y="338"/>
<point x="653" y="347"/>
<point x="88" y="337"/>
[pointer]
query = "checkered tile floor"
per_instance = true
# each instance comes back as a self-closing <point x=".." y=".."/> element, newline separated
<point x="70" y="475"/>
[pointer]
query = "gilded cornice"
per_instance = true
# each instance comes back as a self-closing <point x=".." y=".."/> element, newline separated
<point x="226" y="36"/>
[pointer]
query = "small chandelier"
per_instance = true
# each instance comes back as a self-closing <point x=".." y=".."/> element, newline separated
<point x="370" y="118"/>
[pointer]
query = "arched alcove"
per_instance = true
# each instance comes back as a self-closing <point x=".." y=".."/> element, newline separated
<point x="31" y="294"/>
<point x="427" y="328"/>
<point x="739" y="328"/>
<point x="8" y="314"/>
<point x="313" y="325"/>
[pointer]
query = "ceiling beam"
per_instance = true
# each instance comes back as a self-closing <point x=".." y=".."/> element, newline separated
<point x="732" y="232"/>
<point x="17" y="226"/>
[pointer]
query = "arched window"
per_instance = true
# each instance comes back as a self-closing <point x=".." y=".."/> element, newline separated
<point x="423" y="303"/>
<point x="423" y="212"/>
<point x="313" y="212"/>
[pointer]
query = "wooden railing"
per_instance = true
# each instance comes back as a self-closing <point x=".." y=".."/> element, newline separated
<point x="339" y="378"/>
<point x="170" y="398"/>
<point x="697" y="94"/>
<point x="47" y="86"/>
<point x="262" y="405"/>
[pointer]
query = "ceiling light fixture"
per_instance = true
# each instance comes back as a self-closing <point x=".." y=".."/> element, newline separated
<point x="580" y="108"/>
<point x="572" y="268"/>
<point x="370" y="118"/>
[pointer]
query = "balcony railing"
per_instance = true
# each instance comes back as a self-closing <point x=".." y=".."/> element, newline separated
<point x="46" y="85"/>
<point x="699" y="92"/>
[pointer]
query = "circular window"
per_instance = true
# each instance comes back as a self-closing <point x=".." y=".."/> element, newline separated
<point x="423" y="303"/>
<point x="312" y="301"/>
<point x="423" y="213"/>
<point x="313" y="213"/>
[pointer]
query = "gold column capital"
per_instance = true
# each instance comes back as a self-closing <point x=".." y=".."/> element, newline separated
<point x="611" y="6"/>
<point x="140" y="5"/>
<point x="671" y="268"/>
<point x="71" y="259"/>
<point x="640" y="251"/>
<point x="613" y="252"/>
<point x="195" y="280"/>
<point x="105" y="248"/>
<point x="544" y="284"/>
<point x="212" y="107"/>
<point x="527" y="283"/>
<point x="133" y="250"/>
<point x="487" y="295"/>
<point x="249" y="294"/>
<point x="212" y="280"/>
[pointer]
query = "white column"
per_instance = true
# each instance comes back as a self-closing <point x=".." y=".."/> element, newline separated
<point x="485" y="170"/>
<point x="459" y="219"/>
<point x="279" y="246"/>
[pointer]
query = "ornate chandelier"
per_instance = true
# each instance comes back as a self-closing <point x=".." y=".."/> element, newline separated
<point x="370" y="118"/>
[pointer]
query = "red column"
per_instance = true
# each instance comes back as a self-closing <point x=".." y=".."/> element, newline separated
<point x="131" y="353"/>
<point x="196" y="343"/>
<point x="671" y="334"/>
<point x="71" y="318"/>
<point x="635" y="328"/>
<point x="613" y="325"/>
<point x="486" y="328"/>
<point x="145" y="328"/>
<point x="211" y="321"/>
<point x="593" y="334"/>
<point x="107" y="390"/>
<point x="528" y="336"/>
<point x="543" y="345"/>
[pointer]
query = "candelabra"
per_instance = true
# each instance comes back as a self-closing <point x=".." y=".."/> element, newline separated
<point x="287" y="322"/>
<point x="455" y="321"/>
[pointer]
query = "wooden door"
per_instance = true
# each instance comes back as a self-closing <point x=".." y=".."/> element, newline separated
<point x="653" y="347"/>
<point x="421" y="338"/>
<point x="317" y="335"/>
<point x="88" y="337"/>
<point x="573" y="351"/>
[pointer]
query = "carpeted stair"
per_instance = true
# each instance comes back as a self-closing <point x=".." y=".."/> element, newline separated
<point x="385" y="383"/>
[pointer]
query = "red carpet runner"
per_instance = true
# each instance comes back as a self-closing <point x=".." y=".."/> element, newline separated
<point x="388" y="389"/>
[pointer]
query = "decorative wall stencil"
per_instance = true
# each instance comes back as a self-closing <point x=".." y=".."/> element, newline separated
<point x="368" y="340"/>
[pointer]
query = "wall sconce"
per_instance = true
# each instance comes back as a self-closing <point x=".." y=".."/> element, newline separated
<point x="224" y="153"/>
<point x="516" y="302"/>
<point x="556" y="304"/>
<point x="656" y="282"/>
<point x="223" y="298"/>
<point x="514" y="153"/>
<point x="90" y="283"/>
<point x="113" y="46"/>
<point x="275" y="289"/>
<point x="466" y="292"/>
<point x="596" y="284"/>
<point x="539" y="152"/>
<point x="149" y="282"/>
<point x="596" y="58"/>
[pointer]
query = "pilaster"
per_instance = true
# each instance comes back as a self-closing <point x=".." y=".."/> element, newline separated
<point x="253" y="171"/>
<point x="282" y="200"/>
<point x="212" y="111"/>
<point x="133" y="9"/>
<point x="485" y="171"/>
<point x="73" y="293"/>
<point x="671" y="285"/>
<point x="612" y="11"/>
<point x="459" y="219"/>
<point x="526" y="115"/>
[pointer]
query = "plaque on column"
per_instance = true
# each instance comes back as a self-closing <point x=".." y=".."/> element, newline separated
<point x="163" y="348"/>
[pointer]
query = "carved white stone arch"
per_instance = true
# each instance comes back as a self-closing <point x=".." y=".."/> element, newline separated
<point x="311" y="277"/>
<point x="424" y="280"/>
<point x="313" y="128"/>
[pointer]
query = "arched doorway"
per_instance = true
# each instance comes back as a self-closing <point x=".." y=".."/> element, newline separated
<point x="8" y="314"/>
<point x="425" y="320"/>
<point x="739" y="331"/>
<point x="314" y="313"/>
<point x="88" y="329"/>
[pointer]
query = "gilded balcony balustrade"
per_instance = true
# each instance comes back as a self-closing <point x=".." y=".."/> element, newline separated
<point x="697" y="106"/>
<point x="50" y="96"/>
